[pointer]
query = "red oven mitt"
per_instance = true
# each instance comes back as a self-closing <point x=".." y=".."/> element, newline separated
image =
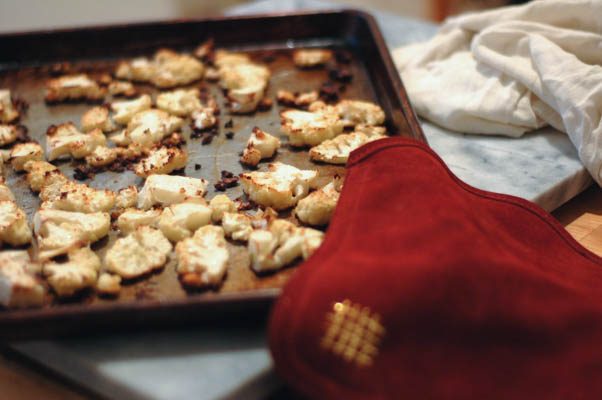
<point x="427" y="288"/>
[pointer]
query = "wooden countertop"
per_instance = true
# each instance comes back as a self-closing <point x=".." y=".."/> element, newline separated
<point x="582" y="218"/>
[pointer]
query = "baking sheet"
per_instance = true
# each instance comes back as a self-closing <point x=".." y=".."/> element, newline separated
<point x="160" y="297"/>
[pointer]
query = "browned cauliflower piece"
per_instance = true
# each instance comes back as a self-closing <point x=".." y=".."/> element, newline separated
<point x="180" y="102"/>
<point x="221" y="204"/>
<point x="355" y="112"/>
<point x="41" y="173"/>
<point x="280" y="187"/>
<point x="259" y="146"/>
<point x="203" y="258"/>
<point x="180" y="221"/>
<point x="139" y="253"/>
<point x="244" y="81"/>
<point x="64" y="194"/>
<point x="65" y="140"/>
<point x="167" y="69"/>
<point x="317" y="208"/>
<point x="98" y="118"/>
<point x="305" y="128"/>
<point x="58" y="232"/>
<point x="126" y="197"/>
<point x="310" y="58"/>
<point x="9" y="134"/>
<point x="8" y="112"/>
<point x="122" y="88"/>
<point x="73" y="87"/>
<point x="126" y="109"/>
<point x="165" y="190"/>
<point x="14" y="229"/>
<point x="19" y="286"/>
<point x="108" y="284"/>
<point x="132" y="218"/>
<point x="281" y="244"/>
<point x="148" y="127"/>
<point x="79" y="272"/>
<point x="337" y="150"/>
<point x="21" y="153"/>
<point x="162" y="160"/>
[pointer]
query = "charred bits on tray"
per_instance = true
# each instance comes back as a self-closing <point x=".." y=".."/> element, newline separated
<point x="343" y="56"/>
<point x="82" y="173"/>
<point x="329" y="91"/>
<point x="228" y="180"/>
<point x="265" y="104"/>
<point x="340" y="74"/>
<point x="245" y="204"/>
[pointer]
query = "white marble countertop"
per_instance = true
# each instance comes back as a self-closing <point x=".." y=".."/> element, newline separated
<point x="207" y="363"/>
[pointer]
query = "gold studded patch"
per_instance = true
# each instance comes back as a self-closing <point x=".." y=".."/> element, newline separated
<point x="353" y="332"/>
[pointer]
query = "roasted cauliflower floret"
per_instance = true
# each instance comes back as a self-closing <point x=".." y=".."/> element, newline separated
<point x="167" y="69"/>
<point x="245" y="85"/>
<point x="78" y="273"/>
<point x="5" y="193"/>
<point x="149" y="127"/>
<point x="10" y="133"/>
<point x="300" y="100"/>
<point x="162" y="160"/>
<point x="237" y="226"/>
<point x="58" y="232"/>
<point x="108" y="284"/>
<point x="180" y="102"/>
<point x="317" y="208"/>
<point x="221" y="204"/>
<point x="126" y="197"/>
<point x="354" y="112"/>
<point x="63" y="194"/>
<point x="73" y="87"/>
<point x="281" y="187"/>
<point x="14" y="228"/>
<point x="281" y="244"/>
<point x="8" y="112"/>
<point x="126" y="109"/>
<point x="259" y="146"/>
<point x="173" y="69"/>
<point x="180" y="221"/>
<point x="337" y="150"/>
<point x="203" y="258"/>
<point x="102" y="156"/>
<point x="224" y="58"/>
<point x="97" y="118"/>
<point x="137" y="254"/>
<point x="19" y="286"/>
<point x="139" y="69"/>
<point x="21" y="153"/>
<point x="203" y="119"/>
<point x="75" y="144"/>
<point x="306" y="128"/>
<point x="371" y="130"/>
<point x="309" y="58"/>
<point x="132" y="218"/>
<point x="122" y="88"/>
<point x="165" y="190"/>
<point x="41" y="173"/>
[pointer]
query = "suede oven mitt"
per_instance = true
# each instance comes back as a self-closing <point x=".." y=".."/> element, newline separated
<point x="428" y="288"/>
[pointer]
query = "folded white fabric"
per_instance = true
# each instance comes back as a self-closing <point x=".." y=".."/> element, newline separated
<point x="512" y="70"/>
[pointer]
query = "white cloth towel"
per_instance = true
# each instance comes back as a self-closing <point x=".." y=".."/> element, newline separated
<point x="512" y="70"/>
